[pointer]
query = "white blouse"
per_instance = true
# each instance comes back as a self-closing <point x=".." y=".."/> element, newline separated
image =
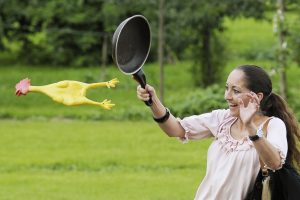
<point x="232" y="165"/>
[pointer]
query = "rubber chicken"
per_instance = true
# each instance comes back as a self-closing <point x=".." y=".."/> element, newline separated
<point x="67" y="92"/>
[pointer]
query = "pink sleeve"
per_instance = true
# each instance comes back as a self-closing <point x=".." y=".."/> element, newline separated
<point x="277" y="137"/>
<point x="202" y="126"/>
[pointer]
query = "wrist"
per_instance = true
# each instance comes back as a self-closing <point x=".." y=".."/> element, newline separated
<point x="164" y="118"/>
<point x="157" y="108"/>
<point x="259" y="134"/>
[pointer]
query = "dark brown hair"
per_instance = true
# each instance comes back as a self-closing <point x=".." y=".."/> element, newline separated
<point x="257" y="80"/>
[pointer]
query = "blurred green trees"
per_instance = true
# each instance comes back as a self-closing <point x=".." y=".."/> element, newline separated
<point x="200" y="24"/>
<point x="54" y="32"/>
<point x="60" y="32"/>
<point x="79" y="32"/>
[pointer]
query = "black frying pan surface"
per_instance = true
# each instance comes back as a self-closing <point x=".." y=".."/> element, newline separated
<point x="131" y="44"/>
<point x="130" y="48"/>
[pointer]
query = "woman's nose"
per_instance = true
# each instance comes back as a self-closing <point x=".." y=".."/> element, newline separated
<point x="227" y="95"/>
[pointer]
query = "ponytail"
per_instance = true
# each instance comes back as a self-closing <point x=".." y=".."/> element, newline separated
<point x="274" y="105"/>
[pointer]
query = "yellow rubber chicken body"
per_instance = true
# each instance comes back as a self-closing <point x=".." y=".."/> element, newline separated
<point x="68" y="92"/>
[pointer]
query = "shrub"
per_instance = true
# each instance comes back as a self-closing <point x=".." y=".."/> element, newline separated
<point x="199" y="101"/>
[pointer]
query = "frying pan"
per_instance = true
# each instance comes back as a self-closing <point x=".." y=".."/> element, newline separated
<point x="130" y="48"/>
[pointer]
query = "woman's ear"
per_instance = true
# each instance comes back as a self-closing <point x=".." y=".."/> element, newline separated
<point x="260" y="96"/>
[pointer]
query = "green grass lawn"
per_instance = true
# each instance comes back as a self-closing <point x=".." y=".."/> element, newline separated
<point x="96" y="160"/>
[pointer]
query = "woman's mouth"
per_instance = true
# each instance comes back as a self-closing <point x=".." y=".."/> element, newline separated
<point x="233" y="105"/>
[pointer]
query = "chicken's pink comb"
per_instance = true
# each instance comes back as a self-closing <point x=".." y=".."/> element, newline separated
<point x="22" y="87"/>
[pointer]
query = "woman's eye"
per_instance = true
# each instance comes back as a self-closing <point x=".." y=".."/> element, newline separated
<point x="236" y="91"/>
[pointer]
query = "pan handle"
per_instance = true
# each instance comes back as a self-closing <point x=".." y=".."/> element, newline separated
<point x="141" y="79"/>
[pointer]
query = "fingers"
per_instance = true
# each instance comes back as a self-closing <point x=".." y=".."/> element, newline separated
<point x="253" y="100"/>
<point x="144" y="94"/>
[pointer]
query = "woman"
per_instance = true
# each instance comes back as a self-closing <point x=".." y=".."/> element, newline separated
<point x="233" y="156"/>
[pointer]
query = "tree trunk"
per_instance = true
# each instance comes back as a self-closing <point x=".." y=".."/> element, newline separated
<point x="281" y="28"/>
<point x="161" y="48"/>
<point x="104" y="57"/>
<point x="206" y="73"/>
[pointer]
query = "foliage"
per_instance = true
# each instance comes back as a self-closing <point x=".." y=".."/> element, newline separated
<point x="199" y="101"/>
<point x="201" y="23"/>
<point x="58" y="32"/>
<point x="258" y="53"/>
<point x="73" y="32"/>
<point x="294" y="40"/>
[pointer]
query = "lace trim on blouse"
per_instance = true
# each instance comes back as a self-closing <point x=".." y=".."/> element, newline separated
<point x="227" y="142"/>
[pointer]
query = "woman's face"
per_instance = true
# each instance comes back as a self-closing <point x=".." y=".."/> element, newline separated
<point x="235" y="89"/>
